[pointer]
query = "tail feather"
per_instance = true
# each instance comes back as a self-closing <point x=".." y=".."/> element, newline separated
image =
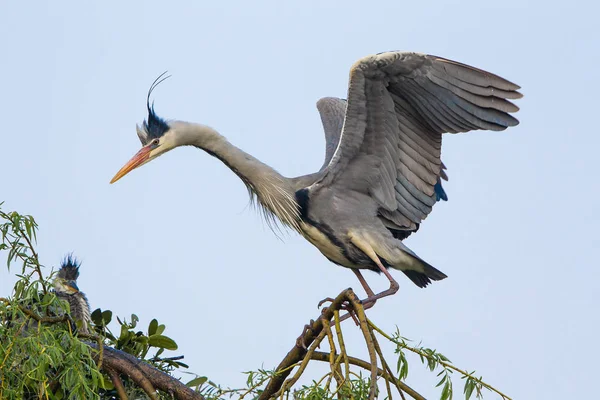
<point x="421" y="280"/>
<point x="423" y="273"/>
<point x="394" y="254"/>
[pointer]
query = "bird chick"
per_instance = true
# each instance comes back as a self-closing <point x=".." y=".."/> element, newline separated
<point x="65" y="286"/>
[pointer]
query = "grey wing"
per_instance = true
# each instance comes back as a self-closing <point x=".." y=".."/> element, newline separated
<point x="332" y="111"/>
<point x="399" y="104"/>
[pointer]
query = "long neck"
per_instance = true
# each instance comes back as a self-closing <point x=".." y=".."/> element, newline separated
<point x="274" y="192"/>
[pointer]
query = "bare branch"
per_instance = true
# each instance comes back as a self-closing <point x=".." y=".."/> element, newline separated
<point x="298" y="352"/>
<point x="362" y="318"/>
<point x="144" y="375"/>
<point x="324" y="356"/>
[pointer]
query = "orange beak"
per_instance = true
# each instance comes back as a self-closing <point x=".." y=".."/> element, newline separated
<point x="140" y="158"/>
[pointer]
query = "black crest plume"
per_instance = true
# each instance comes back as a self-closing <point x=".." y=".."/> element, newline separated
<point x="155" y="126"/>
<point x="69" y="268"/>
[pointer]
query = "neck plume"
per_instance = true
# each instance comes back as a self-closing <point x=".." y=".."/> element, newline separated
<point x="274" y="192"/>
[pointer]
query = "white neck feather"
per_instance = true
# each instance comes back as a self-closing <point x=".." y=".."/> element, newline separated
<point x="274" y="192"/>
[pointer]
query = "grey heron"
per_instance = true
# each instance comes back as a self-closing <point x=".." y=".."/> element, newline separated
<point x="65" y="286"/>
<point x="382" y="169"/>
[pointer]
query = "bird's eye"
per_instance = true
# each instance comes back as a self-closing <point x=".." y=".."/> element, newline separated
<point x="155" y="142"/>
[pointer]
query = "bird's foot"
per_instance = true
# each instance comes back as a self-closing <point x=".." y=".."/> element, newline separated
<point x="325" y="300"/>
<point x="346" y="306"/>
<point x="300" y="342"/>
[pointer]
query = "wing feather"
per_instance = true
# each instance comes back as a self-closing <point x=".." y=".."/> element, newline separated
<point x="469" y="74"/>
<point x="399" y="105"/>
<point x="332" y="112"/>
<point x="444" y="79"/>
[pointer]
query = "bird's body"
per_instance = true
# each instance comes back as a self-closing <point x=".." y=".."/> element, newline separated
<point x="382" y="171"/>
<point x="65" y="286"/>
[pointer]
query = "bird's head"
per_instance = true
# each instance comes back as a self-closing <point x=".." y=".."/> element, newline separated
<point x="156" y="134"/>
<point x="65" y="281"/>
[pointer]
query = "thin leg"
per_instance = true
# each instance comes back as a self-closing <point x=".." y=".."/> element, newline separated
<point x="368" y="250"/>
<point x="371" y="296"/>
<point x="363" y="282"/>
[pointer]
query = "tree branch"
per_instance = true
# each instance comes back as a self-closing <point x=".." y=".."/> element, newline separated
<point x="145" y="375"/>
<point x="297" y="353"/>
<point x="324" y="356"/>
<point x="360" y="313"/>
<point x="48" y="320"/>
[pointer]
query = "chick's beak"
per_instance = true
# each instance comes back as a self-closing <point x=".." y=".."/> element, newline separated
<point x="73" y="286"/>
<point x="140" y="158"/>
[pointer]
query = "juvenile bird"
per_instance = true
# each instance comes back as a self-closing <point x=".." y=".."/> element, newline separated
<point x="65" y="287"/>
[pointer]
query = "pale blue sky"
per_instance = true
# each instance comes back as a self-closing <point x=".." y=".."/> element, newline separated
<point x="175" y="240"/>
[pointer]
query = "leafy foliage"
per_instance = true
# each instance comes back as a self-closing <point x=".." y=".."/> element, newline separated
<point x="41" y="355"/>
<point x="38" y="357"/>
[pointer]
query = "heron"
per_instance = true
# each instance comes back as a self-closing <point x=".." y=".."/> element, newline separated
<point x="65" y="287"/>
<point x="382" y="171"/>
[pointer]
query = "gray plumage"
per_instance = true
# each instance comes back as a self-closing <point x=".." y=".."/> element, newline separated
<point x="382" y="171"/>
<point x="332" y="111"/>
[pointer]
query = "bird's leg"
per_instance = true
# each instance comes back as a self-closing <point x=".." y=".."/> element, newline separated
<point x="371" y="296"/>
<point x="365" y="286"/>
<point x="368" y="250"/>
<point x="363" y="282"/>
<point x="369" y="291"/>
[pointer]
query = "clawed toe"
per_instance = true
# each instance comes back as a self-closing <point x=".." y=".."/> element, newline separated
<point x="325" y="300"/>
<point x="300" y="341"/>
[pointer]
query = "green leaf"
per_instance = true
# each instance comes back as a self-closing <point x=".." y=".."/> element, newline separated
<point x="28" y="228"/>
<point x="142" y="339"/>
<point x="106" y="317"/>
<point x="197" y="381"/>
<point x="446" y="392"/>
<point x="106" y="384"/>
<point x="404" y="371"/>
<point x="442" y="381"/>
<point x="160" y="329"/>
<point x="97" y="316"/>
<point x="469" y="386"/>
<point x="134" y="320"/>
<point x="162" y="341"/>
<point x="152" y="327"/>
<point x="124" y="332"/>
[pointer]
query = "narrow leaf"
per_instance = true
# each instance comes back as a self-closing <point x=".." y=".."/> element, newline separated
<point x="197" y="381"/>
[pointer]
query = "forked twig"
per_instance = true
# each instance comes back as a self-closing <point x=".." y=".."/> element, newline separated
<point x="324" y="356"/>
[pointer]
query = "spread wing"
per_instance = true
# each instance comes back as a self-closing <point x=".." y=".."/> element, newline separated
<point x="332" y="111"/>
<point x="399" y="104"/>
